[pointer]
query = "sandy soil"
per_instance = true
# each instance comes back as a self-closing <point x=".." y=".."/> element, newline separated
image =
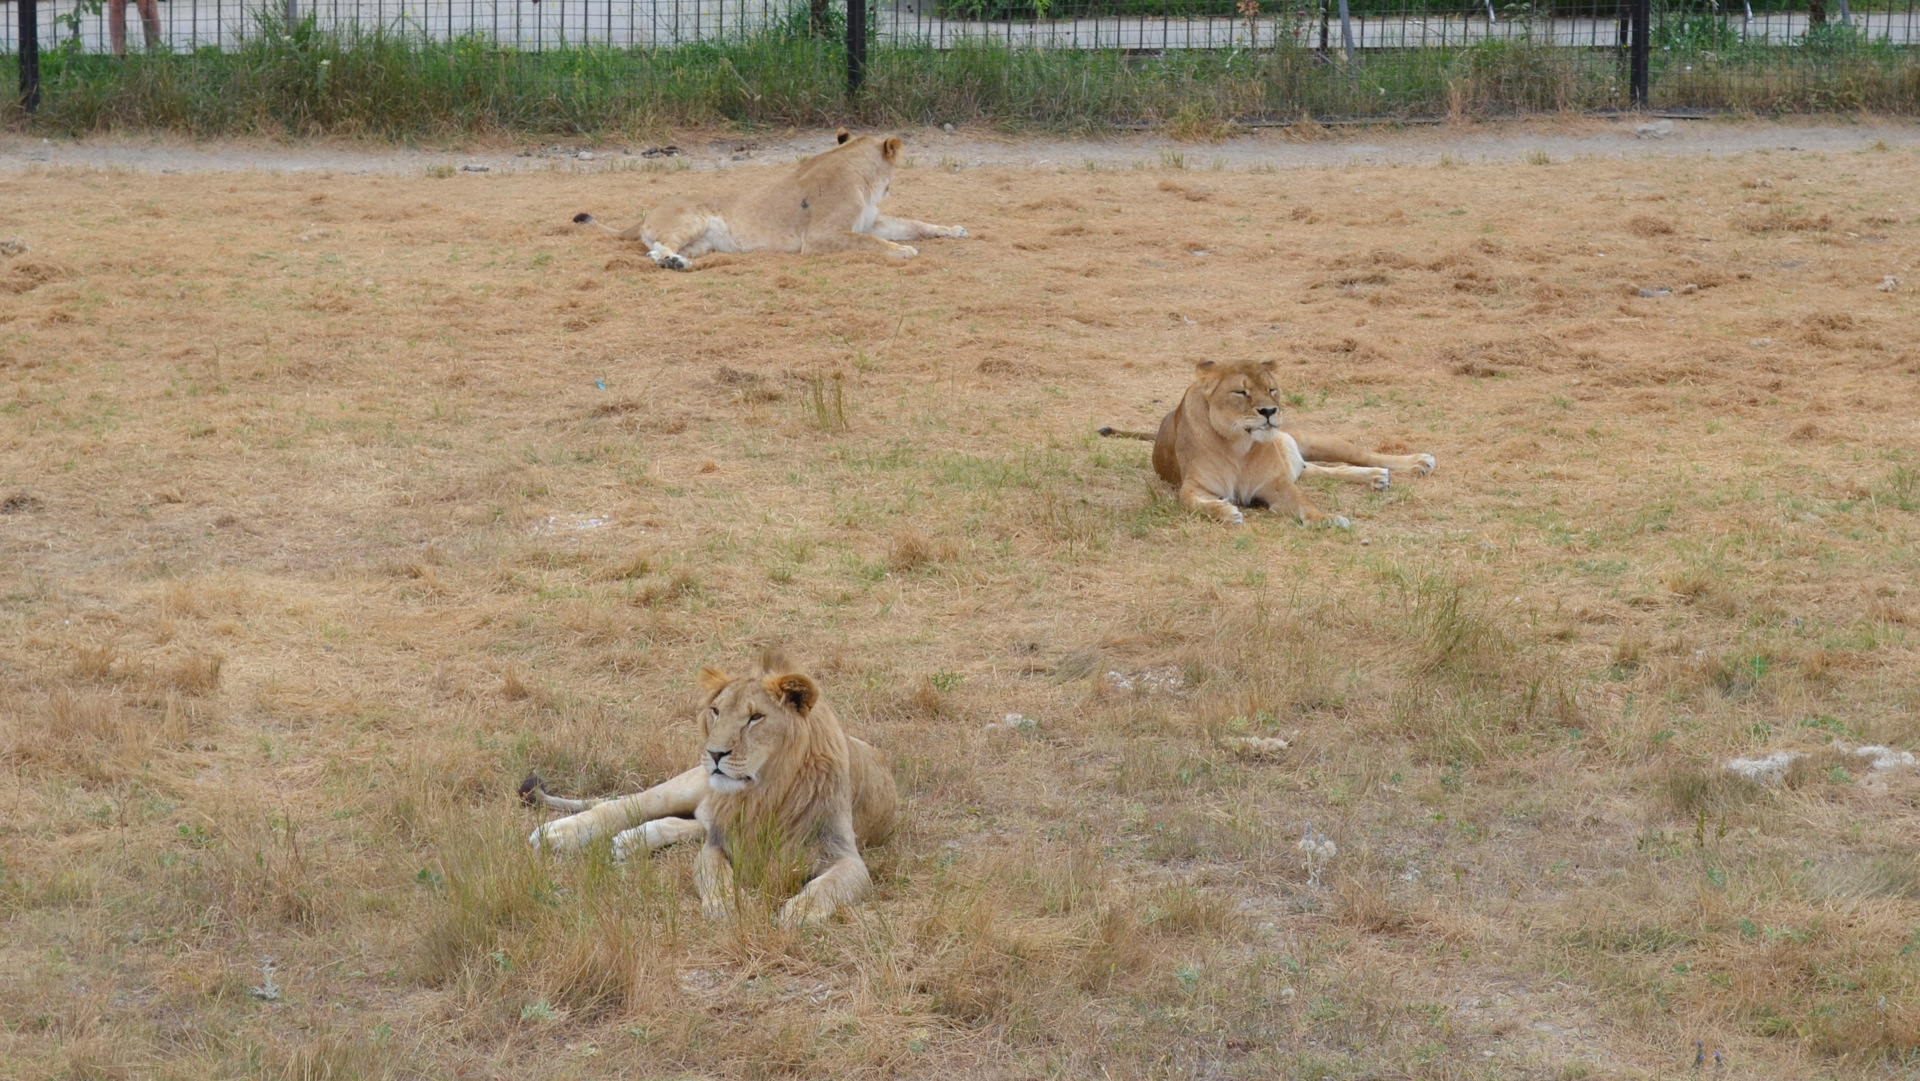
<point x="1280" y="148"/>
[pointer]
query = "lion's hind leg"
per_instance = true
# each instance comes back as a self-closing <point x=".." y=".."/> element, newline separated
<point x="829" y="241"/>
<point x="676" y="797"/>
<point x="900" y="229"/>
<point x="655" y="835"/>
<point x="676" y="236"/>
<point x="1327" y="449"/>
<point x="1374" y="476"/>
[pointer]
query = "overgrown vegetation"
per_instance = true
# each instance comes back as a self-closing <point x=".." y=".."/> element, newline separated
<point x="308" y="80"/>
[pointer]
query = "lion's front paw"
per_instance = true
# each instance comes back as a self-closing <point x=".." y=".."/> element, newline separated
<point x="675" y="262"/>
<point x="805" y="908"/>
<point x="958" y="232"/>
<point x="905" y="251"/>
<point x="1382" y="479"/>
<point x="1424" y="464"/>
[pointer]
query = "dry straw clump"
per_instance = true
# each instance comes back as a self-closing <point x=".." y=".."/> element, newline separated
<point x="367" y="503"/>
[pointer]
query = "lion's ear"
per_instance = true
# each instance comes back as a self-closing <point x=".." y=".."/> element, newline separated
<point x="891" y="148"/>
<point x="713" y="681"/>
<point x="842" y="135"/>
<point x="1206" y="367"/>
<point x="796" y="690"/>
<point x="1266" y="365"/>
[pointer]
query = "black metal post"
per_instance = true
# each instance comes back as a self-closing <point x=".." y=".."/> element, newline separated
<point x="1642" y="48"/>
<point x="29" y="54"/>
<point x="856" y="45"/>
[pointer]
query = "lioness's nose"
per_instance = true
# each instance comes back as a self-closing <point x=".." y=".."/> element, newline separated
<point x="1268" y="411"/>
<point x="718" y="755"/>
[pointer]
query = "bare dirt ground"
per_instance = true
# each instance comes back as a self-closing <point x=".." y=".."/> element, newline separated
<point x="335" y="496"/>
<point x="1560" y="138"/>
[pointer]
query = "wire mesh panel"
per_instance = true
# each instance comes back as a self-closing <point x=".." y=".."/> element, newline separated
<point x="1054" y="60"/>
<point x="532" y="25"/>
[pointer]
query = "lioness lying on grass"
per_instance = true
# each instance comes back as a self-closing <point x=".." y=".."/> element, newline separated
<point x="1223" y="448"/>
<point x="829" y="202"/>
<point x="778" y="770"/>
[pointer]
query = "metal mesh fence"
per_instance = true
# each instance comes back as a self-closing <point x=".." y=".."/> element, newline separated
<point x="1134" y="25"/>
<point x="1367" y="56"/>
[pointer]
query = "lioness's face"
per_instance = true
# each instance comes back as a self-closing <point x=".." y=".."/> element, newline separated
<point x="1244" y="398"/>
<point x="746" y="722"/>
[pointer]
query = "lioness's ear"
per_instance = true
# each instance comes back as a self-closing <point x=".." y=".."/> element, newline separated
<point x="891" y="148"/>
<point x="713" y="681"/>
<point x="842" y="135"/>
<point x="1206" y="367"/>
<point x="1266" y="365"/>
<point x="795" y="690"/>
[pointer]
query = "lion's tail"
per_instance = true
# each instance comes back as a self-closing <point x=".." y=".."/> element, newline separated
<point x="1121" y="433"/>
<point x="631" y="232"/>
<point x="534" y="795"/>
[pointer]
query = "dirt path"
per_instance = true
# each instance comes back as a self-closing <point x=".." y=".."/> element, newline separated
<point x="1280" y="148"/>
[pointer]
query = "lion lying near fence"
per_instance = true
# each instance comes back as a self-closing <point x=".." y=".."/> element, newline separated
<point x="829" y="202"/>
<point x="779" y="775"/>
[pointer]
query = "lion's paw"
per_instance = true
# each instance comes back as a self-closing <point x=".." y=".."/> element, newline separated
<point x="1382" y="479"/>
<point x="906" y="251"/>
<point x="631" y="842"/>
<point x="1235" y="518"/>
<point x="958" y="232"/>
<point x="805" y="908"/>
<point x="1425" y="465"/>
<point x="675" y="262"/>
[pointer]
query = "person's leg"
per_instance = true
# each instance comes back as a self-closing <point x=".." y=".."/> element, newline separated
<point x="150" y="21"/>
<point x="117" y="26"/>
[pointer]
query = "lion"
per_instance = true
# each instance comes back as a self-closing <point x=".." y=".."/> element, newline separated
<point x="1224" y="449"/>
<point x="829" y="202"/>
<point x="776" y="759"/>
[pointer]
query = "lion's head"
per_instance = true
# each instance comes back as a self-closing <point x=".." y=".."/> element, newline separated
<point x="754" y="722"/>
<point x="1242" y="397"/>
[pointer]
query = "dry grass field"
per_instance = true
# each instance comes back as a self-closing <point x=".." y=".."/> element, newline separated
<point x="332" y="505"/>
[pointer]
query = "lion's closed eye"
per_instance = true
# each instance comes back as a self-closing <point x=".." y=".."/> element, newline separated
<point x="756" y="718"/>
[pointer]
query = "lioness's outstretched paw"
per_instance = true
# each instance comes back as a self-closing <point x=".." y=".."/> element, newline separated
<point x="674" y="262"/>
<point x="631" y="842"/>
<point x="1382" y="479"/>
<point x="805" y="908"/>
<point x="1425" y="464"/>
<point x="958" y="232"/>
<point x="905" y="251"/>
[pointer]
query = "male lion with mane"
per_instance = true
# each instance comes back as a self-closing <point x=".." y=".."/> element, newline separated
<point x="777" y="760"/>
<point x="829" y="202"/>
<point x="1224" y="449"/>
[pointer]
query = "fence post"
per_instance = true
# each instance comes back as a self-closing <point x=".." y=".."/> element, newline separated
<point x="1642" y="47"/>
<point x="1346" y="33"/>
<point x="856" y="45"/>
<point x="29" y="54"/>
